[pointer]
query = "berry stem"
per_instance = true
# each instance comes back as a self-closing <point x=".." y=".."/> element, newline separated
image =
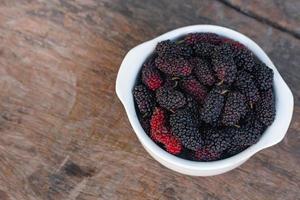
<point x="220" y="83"/>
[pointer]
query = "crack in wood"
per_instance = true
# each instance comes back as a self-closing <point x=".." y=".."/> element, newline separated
<point x="260" y="19"/>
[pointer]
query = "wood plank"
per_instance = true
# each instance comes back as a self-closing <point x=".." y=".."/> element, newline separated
<point x="64" y="133"/>
<point x="281" y="14"/>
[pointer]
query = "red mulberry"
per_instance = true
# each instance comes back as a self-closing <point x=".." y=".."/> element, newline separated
<point x="193" y="87"/>
<point x="160" y="132"/>
<point x="151" y="77"/>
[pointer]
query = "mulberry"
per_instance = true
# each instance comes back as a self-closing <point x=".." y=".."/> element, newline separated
<point x="172" y="144"/>
<point x="174" y="66"/>
<point x="170" y="48"/>
<point x="204" y="50"/>
<point x="234" y="149"/>
<point x="216" y="141"/>
<point x="206" y="154"/>
<point x="246" y="85"/>
<point x="234" y="108"/>
<point x="234" y="45"/>
<point x="170" y="98"/>
<point x="184" y="125"/>
<point x="144" y="100"/>
<point x="246" y="135"/>
<point x="211" y="38"/>
<point x="244" y="59"/>
<point x="264" y="76"/>
<point x="145" y="123"/>
<point x="255" y="130"/>
<point x="265" y="109"/>
<point x="192" y="103"/>
<point x="191" y="86"/>
<point x="160" y="132"/>
<point x="185" y="50"/>
<point x="203" y="71"/>
<point x="171" y="81"/>
<point x="224" y="67"/>
<point x="151" y="77"/>
<point x="166" y="47"/>
<point x="212" y="107"/>
<point x="225" y="49"/>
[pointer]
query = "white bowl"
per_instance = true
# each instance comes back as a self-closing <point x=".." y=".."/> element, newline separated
<point x="129" y="71"/>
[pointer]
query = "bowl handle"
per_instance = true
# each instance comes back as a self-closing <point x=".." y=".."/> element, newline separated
<point x="123" y="81"/>
<point x="130" y="68"/>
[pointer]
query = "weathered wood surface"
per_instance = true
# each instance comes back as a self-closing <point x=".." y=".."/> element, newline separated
<point x="64" y="134"/>
<point x="284" y="15"/>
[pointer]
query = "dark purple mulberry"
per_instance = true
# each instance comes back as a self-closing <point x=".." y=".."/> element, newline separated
<point x="144" y="100"/>
<point x="166" y="47"/>
<point x="174" y="66"/>
<point x="244" y="59"/>
<point x="234" y="109"/>
<point x="224" y="67"/>
<point x="205" y="154"/>
<point x="185" y="50"/>
<point x="170" y="98"/>
<point x="249" y="134"/>
<point x="215" y="140"/>
<point x="203" y="71"/>
<point x="192" y="103"/>
<point x="185" y="126"/>
<point x="232" y="46"/>
<point x="145" y="123"/>
<point x="211" y="38"/>
<point x="263" y="76"/>
<point x="170" y="48"/>
<point x="212" y="107"/>
<point x="234" y="149"/>
<point x="265" y="108"/>
<point x="225" y="49"/>
<point x="204" y="50"/>
<point x="246" y="85"/>
<point x="246" y="135"/>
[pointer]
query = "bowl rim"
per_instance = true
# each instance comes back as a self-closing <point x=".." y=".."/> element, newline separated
<point x="125" y="95"/>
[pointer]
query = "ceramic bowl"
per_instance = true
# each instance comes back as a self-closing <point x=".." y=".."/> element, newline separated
<point x="126" y="79"/>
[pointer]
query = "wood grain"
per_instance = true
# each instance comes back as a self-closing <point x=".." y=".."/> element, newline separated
<point x="65" y="135"/>
<point x="280" y="14"/>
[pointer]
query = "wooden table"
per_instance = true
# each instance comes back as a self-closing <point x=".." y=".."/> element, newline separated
<point x="64" y="133"/>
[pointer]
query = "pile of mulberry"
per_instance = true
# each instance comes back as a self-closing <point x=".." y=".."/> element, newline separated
<point x="204" y="97"/>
